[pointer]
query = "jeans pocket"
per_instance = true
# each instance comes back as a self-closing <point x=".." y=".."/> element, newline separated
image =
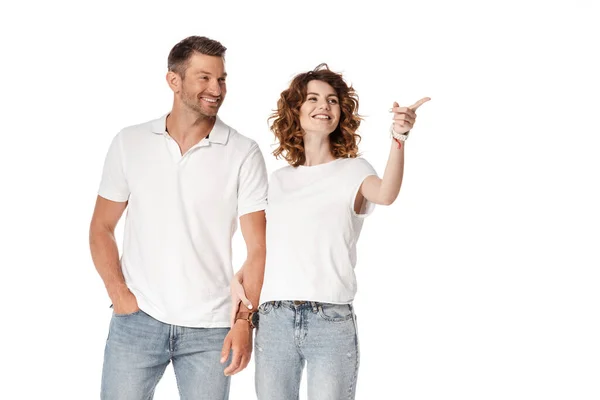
<point x="265" y="308"/>
<point x="335" y="312"/>
<point x="127" y="315"/>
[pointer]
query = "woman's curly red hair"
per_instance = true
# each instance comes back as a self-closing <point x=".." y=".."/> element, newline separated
<point x="286" y="119"/>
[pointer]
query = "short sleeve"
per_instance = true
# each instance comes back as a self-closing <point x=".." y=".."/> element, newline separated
<point x="252" y="183"/>
<point x="360" y="171"/>
<point x="113" y="185"/>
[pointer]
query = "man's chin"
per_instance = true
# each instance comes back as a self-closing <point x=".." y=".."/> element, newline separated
<point x="209" y="111"/>
<point x="202" y="113"/>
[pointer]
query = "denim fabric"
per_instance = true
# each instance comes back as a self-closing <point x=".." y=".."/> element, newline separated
<point x="321" y="335"/>
<point x="139" y="348"/>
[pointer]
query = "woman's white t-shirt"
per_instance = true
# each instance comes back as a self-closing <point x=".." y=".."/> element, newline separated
<point x="312" y="230"/>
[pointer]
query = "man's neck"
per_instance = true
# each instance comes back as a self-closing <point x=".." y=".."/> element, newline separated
<point x="188" y="128"/>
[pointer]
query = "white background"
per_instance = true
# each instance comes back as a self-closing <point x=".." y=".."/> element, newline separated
<point x="480" y="282"/>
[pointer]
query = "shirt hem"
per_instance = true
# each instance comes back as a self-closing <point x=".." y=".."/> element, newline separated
<point x="151" y="311"/>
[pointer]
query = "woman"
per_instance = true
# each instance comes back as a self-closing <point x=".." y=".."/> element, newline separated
<point x="316" y="209"/>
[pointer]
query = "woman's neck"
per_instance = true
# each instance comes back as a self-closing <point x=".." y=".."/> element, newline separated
<point x="317" y="150"/>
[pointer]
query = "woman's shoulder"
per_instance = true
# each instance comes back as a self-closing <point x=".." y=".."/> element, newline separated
<point x="280" y="171"/>
<point x="357" y="162"/>
<point x="358" y="168"/>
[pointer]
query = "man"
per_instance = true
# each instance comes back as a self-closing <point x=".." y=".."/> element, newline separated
<point x="184" y="178"/>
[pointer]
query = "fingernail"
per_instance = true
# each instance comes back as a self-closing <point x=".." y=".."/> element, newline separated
<point x="250" y="306"/>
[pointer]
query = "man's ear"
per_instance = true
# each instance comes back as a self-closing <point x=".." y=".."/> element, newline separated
<point x="174" y="81"/>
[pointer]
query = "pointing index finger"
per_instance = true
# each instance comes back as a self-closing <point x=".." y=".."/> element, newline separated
<point x="419" y="103"/>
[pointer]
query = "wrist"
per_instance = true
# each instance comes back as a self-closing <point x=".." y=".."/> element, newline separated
<point x="245" y="318"/>
<point x="243" y="323"/>
<point x="397" y="144"/>
<point x="401" y="137"/>
<point x="117" y="292"/>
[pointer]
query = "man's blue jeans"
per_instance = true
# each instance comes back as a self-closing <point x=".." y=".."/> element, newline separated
<point x="322" y="335"/>
<point x="139" y="348"/>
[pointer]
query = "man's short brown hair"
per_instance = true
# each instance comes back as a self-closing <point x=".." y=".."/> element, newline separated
<point x="182" y="51"/>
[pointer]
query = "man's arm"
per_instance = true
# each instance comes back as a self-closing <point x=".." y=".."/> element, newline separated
<point x="253" y="227"/>
<point x="239" y="339"/>
<point x="105" y="254"/>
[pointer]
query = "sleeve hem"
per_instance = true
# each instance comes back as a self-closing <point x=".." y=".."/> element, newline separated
<point x="369" y="206"/>
<point x="251" y="209"/>
<point x="113" y="197"/>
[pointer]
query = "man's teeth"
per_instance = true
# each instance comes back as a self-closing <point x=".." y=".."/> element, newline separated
<point x="210" y="100"/>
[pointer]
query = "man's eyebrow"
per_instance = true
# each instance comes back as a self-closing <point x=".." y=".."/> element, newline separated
<point x="208" y="73"/>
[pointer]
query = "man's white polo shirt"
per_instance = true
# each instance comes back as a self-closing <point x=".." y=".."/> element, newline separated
<point x="181" y="217"/>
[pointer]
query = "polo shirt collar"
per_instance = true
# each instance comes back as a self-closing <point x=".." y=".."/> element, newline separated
<point x="218" y="134"/>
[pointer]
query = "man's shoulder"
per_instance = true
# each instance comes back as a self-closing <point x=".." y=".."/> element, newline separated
<point x="153" y="126"/>
<point x="138" y="134"/>
<point x="240" y="142"/>
<point x="239" y="139"/>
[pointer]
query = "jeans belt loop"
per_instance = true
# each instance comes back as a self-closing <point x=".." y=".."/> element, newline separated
<point x="314" y="305"/>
